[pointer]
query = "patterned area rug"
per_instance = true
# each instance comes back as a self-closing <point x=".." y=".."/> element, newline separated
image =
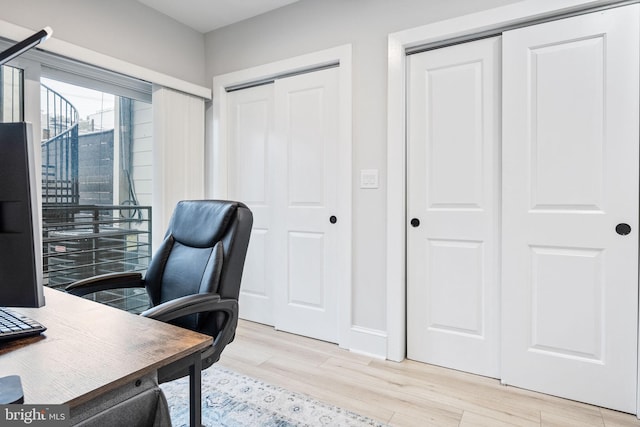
<point x="233" y="400"/>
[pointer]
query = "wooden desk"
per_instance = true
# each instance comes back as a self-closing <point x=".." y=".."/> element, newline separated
<point x="90" y="349"/>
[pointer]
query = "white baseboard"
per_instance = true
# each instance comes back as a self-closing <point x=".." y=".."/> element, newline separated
<point x="369" y="342"/>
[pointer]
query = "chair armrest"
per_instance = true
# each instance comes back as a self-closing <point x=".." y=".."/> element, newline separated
<point x="192" y="304"/>
<point x="105" y="282"/>
<point x="184" y="306"/>
<point x="226" y="334"/>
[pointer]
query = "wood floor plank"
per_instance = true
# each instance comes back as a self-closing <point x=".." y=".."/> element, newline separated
<point x="471" y="419"/>
<point x="618" y="419"/>
<point x="431" y="419"/>
<point x="401" y="394"/>
<point x="570" y="419"/>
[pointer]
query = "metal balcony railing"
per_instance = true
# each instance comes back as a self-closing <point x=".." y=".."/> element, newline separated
<point x="84" y="241"/>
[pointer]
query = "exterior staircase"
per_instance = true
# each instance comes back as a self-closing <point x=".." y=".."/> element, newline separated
<point x="60" y="184"/>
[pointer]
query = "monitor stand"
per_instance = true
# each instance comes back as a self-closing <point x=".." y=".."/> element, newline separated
<point x="11" y="390"/>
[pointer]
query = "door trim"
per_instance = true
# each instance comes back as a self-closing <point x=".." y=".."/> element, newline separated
<point x="217" y="157"/>
<point x="399" y="43"/>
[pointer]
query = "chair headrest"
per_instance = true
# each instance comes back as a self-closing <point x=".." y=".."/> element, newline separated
<point x="201" y="223"/>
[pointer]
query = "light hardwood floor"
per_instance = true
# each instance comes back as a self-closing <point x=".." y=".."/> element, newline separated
<point x="401" y="394"/>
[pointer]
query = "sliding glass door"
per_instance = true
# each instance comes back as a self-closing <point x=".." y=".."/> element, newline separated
<point x="96" y="170"/>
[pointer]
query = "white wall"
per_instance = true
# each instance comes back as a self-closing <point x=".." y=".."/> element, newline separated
<point x="123" y="29"/>
<point x="312" y="25"/>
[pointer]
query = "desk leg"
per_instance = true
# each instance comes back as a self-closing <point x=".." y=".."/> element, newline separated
<point x="195" y="392"/>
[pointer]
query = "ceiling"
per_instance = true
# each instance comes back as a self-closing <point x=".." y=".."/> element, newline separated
<point x="207" y="15"/>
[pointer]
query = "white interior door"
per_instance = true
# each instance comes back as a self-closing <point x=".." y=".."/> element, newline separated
<point x="306" y="141"/>
<point x="250" y="124"/>
<point x="283" y="163"/>
<point x="453" y="191"/>
<point x="570" y="150"/>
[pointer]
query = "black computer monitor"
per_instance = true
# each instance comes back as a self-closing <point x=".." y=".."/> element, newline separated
<point x="21" y="280"/>
<point x="20" y="227"/>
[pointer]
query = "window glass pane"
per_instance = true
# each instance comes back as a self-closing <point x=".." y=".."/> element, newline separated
<point x="11" y="89"/>
<point x="96" y="191"/>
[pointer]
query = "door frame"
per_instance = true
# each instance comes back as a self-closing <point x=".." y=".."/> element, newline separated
<point x="217" y="158"/>
<point x="464" y="27"/>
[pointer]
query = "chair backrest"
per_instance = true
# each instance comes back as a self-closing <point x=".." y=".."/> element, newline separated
<point x="203" y="251"/>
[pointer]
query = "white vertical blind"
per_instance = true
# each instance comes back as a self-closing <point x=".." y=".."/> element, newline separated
<point x="178" y="153"/>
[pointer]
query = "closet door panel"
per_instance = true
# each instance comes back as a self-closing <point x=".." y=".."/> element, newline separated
<point x="250" y="124"/>
<point x="570" y="162"/>
<point x="453" y="184"/>
<point x="306" y="148"/>
<point x="567" y="92"/>
<point x="284" y="163"/>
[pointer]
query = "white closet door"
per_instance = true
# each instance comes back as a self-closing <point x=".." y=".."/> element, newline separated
<point x="250" y="124"/>
<point x="570" y="150"/>
<point x="283" y="163"/>
<point x="306" y="129"/>
<point x="453" y="191"/>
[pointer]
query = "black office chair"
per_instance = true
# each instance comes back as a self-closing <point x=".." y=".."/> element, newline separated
<point x="193" y="280"/>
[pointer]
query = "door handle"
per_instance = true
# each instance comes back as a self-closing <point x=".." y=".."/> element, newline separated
<point x="623" y="229"/>
<point x="333" y="219"/>
<point x="415" y="222"/>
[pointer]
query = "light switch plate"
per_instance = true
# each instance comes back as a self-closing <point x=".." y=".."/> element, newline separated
<point x="369" y="178"/>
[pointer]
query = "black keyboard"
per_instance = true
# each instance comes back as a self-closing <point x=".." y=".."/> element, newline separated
<point x="14" y="325"/>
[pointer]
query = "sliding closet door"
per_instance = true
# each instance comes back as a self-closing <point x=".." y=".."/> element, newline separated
<point x="570" y="236"/>
<point x="250" y="125"/>
<point x="284" y="164"/>
<point x="453" y="308"/>
<point x="306" y="144"/>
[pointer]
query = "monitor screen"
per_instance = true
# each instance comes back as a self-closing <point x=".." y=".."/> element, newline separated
<point x="20" y="227"/>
